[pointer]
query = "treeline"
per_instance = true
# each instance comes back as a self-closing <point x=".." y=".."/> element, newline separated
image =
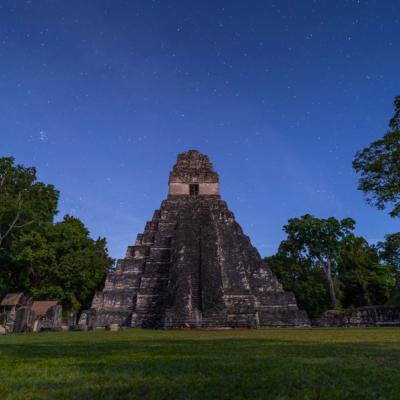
<point x="325" y="264"/>
<point x="47" y="259"/>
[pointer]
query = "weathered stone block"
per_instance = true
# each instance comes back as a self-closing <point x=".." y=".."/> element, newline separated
<point x="113" y="327"/>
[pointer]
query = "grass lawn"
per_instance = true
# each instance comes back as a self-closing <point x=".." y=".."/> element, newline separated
<point x="233" y="364"/>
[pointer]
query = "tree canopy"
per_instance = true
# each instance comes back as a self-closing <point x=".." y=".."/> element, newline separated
<point x="24" y="202"/>
<point x="318" y="241"/>
<point x="390" y="251"/>
<point x="45" y="259"/>
<point x="363" y="279"/>
<point x="327" y="266"/>
<point x="379" y="166"/>
<point x="298" y="275"/>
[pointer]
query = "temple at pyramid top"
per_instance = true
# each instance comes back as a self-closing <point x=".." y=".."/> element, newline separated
<point x="193" y="174"/>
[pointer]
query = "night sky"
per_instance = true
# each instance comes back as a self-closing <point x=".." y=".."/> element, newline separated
<point x="101" y="96"/>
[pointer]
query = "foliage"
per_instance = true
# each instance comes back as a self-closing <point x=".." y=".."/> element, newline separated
<point x="49" y="260"/>
<point x="389" y="251"/>
<point x="235" y="364"/>
<point x="61" y="263"/>
<point x="364" y="280"/>
<point x="317" y="241"/>
<point x="24" y="202"/>
<point x="358" y="277"/>
<point x="299" y="276"/>
<point x="394" y="298"/>
<point x="379" y="166"/>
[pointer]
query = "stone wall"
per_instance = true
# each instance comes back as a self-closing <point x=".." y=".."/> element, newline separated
<point x="205" y="189"/>
<point x="360" y="317"/>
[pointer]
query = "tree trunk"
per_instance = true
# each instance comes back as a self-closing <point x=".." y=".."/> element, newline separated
<point x="328" y="273"/>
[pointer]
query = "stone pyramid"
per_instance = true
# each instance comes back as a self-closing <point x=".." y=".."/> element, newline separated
<point x="193" y="266"/>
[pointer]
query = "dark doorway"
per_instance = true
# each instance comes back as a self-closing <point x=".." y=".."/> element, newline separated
<point x="194" y="189"/>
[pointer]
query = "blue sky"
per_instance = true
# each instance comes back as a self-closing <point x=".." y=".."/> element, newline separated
<point x="101" y="96"/>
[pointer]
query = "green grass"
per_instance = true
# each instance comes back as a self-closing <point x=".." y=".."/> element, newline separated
<point x="234" y="364"/>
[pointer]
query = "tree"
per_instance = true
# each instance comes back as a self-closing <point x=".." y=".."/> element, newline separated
<point x="317" y="241"/>
<point x="24" y="202"/>
<point x="379" y="166"/>
<point x="299" y="276"/>
<point x="389" y="251"/>
<point x="45" y="259"/>
<point x="323" y="256"/>
<point x="63" y="263"/>
<point x="364" y="279"/>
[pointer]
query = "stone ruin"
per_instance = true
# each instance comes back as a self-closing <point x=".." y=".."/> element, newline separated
<point x="193" y="266"/>
<point x="45" y="316"/>
<point x="11" y="310"/>
<point x="360" y="317"/>
<point x="19" y="313"/>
